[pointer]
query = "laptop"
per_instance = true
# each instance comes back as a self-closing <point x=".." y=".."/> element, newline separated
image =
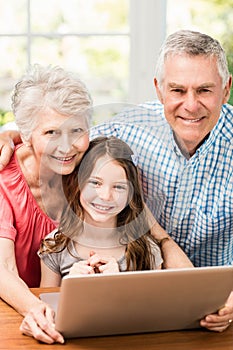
<point x="138" y="302"/>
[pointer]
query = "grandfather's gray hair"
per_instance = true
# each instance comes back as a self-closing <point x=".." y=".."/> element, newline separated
<point x="192" y="43"/>
<point x="52" y="87"/>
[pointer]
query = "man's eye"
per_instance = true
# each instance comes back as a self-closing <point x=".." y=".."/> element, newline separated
<point x="204" y="90"/>
<point x="180" y="91"/>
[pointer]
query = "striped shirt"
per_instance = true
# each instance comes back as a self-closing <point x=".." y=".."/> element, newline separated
<point x="192" y="199"/>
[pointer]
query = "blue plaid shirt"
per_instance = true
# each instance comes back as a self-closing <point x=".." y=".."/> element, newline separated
<point x="192" y="199"/>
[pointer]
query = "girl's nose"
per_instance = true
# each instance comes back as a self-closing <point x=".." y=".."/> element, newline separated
<point x="105" y="193"/>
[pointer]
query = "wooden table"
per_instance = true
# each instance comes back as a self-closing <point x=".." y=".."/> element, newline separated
<point x="201" y="339"/>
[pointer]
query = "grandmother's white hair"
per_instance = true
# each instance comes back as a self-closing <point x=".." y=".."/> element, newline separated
<point x="192" y="43"/>
<point x="52" y="87"/>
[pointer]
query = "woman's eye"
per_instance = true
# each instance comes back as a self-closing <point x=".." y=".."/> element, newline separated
<point x="78" y="130"/>
<point x="51" y="132"/>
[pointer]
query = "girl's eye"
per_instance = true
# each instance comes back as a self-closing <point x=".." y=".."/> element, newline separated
<point x="94" y="182"/>
<point x="121" y="187"/>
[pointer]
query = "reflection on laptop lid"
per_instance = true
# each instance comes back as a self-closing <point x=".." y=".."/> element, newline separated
<point x="138" y="302"/>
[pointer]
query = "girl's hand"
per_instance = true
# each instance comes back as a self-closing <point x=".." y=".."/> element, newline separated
<point x="106" y="264"/>
<point x="81" y="268"/>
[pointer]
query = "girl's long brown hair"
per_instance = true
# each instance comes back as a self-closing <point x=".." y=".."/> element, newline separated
<point x="132" y="221"/>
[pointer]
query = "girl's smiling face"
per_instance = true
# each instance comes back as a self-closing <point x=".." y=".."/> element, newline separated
<point x="105" y="193"/>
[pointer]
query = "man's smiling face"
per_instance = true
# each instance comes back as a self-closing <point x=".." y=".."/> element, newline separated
<point x="192" y="94"/>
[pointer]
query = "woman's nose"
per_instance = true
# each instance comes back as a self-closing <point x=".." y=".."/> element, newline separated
<point x="65" y="143"/>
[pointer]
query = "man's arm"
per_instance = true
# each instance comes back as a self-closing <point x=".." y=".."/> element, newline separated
<point x="7" y="141"/>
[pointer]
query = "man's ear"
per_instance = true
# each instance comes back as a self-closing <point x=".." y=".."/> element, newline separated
<point x="158" y="91"/>
<point x="227" y="90"/>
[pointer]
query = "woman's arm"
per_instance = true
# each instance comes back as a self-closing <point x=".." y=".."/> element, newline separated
<point x="7" y="141"/>
<point x="15" y="292"/>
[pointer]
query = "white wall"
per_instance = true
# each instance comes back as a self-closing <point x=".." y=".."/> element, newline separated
<point x="148" y="31"/>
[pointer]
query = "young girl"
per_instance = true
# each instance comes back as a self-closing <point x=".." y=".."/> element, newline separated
<point x="104" y="227"/>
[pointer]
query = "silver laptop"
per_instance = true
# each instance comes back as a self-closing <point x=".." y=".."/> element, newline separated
<point x="139" y="302"/>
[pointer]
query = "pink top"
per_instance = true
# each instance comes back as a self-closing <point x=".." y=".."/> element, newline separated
<point x="23" y="221"/>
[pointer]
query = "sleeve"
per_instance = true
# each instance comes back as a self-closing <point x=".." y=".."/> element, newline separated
<point x="7" y="229"/>
<point x="51" y="260"/>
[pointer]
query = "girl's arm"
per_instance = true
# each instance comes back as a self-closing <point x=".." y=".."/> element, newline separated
<point x="49" y="278"/>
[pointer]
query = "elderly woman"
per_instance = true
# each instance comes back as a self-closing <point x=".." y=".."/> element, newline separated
<point x="52" y="108"/>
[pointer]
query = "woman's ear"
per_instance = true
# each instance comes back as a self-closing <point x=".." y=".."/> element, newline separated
<point x="27" y="143"/>
<point x="158" y="90"/>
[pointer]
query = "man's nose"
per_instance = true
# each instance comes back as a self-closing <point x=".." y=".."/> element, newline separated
<point x="191" y="101"/>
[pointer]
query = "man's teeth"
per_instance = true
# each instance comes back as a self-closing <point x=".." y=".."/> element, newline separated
<point x="193" y="120"/>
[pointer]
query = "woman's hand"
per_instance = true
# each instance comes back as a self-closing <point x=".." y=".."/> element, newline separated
<point x="222" y="320"/>
<point x="39" y="323"/>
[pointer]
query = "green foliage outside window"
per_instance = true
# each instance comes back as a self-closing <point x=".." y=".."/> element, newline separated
<point x="5" y="117"/>
<point x="215" y="17"/>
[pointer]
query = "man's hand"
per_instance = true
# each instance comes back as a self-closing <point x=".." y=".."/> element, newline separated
<point x="7" y="141"/>
<point x="39" y="323"/>
<point x="222" y="320"/>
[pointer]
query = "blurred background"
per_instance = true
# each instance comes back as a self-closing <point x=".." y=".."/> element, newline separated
<point x="111" y="44"/>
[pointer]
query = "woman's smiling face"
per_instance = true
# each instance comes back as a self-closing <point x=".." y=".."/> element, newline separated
<point x="59" y="142"/>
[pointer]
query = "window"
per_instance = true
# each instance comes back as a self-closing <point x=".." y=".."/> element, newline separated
<point x="88" y="37"/>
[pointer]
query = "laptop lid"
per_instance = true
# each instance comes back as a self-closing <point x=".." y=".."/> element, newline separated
<point x="138" y="302"/>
